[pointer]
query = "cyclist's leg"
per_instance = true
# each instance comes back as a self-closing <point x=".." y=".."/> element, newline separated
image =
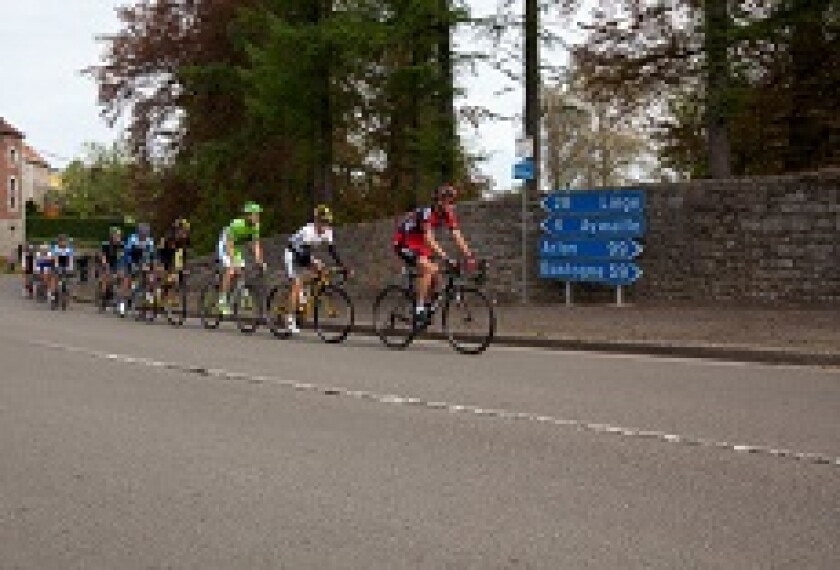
<point x="294" y="265"/>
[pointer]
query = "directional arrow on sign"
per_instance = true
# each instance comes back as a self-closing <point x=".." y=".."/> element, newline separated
<point x="593" y="202"/>
<point x="617" y="249"/>
<point x="609" y="272"/>
<point x="595" y="226"/>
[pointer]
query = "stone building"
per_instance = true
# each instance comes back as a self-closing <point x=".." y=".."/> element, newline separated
<point x="12" y="209"/>
<point x="36" y="177"/>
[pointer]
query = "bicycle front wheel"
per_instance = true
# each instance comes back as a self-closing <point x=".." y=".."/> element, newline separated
<point x="277" y="311"/>
<point x="175" y="304"/>
<point x="393" y="317"/>
<point x="334" y="314"/>
<point x="208" y="307"/>
<point x="469" y="321"/>
<point x="246" y="310"/>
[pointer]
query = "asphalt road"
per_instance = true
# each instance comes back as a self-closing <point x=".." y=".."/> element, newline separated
<point x="144" y="446"/>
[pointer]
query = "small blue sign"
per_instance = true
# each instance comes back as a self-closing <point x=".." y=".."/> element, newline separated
<point x="524" y="170"/>
<point x="609" y="272"/>
<point x="595" y="226"/>
<point x="580" y="202"/>
<point x="617" y="249"/>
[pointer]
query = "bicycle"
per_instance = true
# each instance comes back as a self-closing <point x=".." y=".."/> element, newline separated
<point x="324" y="301"/>
<point x="461" y="303"/>
<point x="143" y="298"/>
<point x="246" y="302"/>
<point x="105" y="293"/>
<point x="61" y="295"/>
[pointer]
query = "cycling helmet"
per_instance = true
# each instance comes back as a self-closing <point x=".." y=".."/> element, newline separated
<point x="62" y="237"/>
<point x="144" y="229"/>
<point x="115" y="230"/>
<point x="251" y="208"/>
<point x="323" y="214"/>
<point x="445" y="191"/>
<point x="182" y="223"/>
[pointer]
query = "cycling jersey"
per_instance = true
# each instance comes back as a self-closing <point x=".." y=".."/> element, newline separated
<point x="172" y="250"/>
<point x="113" y="252"/>
<point x="63" y="255"/>
<point x="299" y="250"/>
<point x="411" y="231"/>
<point x="240" y="231"/>
<point x="139" y="251"/>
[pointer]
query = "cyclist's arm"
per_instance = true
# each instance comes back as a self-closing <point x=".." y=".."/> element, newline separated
<point x="258" y="251"/>
<point x="433" y="243"/>
<point x="461" y="242"/>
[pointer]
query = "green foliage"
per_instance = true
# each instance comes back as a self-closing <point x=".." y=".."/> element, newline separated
<point x="99" y="184"/>
<point x="287" y="102"/>
<point x="89" y="229"/>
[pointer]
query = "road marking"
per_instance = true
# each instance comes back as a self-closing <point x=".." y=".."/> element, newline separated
<point x="394" y="399"/>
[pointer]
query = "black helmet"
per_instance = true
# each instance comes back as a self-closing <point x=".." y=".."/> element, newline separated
<point x="445" y="190"/>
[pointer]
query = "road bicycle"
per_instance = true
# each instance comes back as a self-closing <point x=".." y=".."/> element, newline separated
<point x="324" y="302"/>
<point x="61" y="295"/>
<point x="105" y="291"/>
<point x="154" y="293"/>
<point x="245" y="298"/>
<point x="466" y="314"/>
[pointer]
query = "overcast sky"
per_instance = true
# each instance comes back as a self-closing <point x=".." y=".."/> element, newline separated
<point x="44" y="45"/>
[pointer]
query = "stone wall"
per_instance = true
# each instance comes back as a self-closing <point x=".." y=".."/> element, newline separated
<point x="741" y="240"/>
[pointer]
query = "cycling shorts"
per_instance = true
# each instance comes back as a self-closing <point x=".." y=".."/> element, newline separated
<point x="296" y="260"/>
<point x="411" y="255"/>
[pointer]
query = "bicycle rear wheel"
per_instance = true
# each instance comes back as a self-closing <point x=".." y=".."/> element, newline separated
<point x="208" y="307"/>
<point x="469" y="321"/>
<point x="393" y="316"/>
<point x="246" y="310"/>
<point x="334" y="314"/>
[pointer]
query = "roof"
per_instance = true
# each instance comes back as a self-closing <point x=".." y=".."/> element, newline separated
<point x="7" y="129"/>
<point x="31" y="156"/>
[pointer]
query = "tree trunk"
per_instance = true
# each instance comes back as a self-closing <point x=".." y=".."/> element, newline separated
<point x="448" y="135"/>
<point x="717" y="83"/>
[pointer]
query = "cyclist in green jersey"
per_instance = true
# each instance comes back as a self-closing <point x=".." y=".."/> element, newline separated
<point x="229" y="251"/>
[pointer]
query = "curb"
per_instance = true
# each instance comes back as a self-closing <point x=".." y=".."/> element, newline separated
<point x="699" y="351"/>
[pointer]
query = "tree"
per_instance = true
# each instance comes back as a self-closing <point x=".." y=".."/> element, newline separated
<point x="99" y="183"/>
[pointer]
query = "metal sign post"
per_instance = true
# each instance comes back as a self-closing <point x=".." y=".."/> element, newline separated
<point x="524" y="170"/>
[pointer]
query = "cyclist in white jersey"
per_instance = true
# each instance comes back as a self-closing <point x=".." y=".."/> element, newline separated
<point x="299" y="257"/>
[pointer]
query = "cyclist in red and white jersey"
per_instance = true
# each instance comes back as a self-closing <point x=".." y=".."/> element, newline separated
<point x="415" y="243"/>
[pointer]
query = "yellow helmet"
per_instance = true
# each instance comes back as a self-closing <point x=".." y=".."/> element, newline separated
<point x="323" y="214"/>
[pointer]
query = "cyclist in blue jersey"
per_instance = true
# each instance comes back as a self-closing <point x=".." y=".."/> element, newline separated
<point x="63" y="255"/>
<point x="139" y="254"/>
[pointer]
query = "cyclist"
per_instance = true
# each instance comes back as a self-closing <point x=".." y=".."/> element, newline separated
<point x="414" y="242"/>
<point x="298" y="256"/>
<point x="172" y="250"/>
<point x="112" y="260"/>
<point x="138" y="255"/>
<point x="229" y="251"/>
<point x="28" y="263"/>
<point x="44" y="264"/>
<point x="63" y="256"/>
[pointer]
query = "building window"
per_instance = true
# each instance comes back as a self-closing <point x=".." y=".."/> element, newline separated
<point x="13" y="156"/>
<point x="12" y="193"/>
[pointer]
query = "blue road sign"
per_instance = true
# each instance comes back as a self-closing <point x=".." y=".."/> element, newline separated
<point x="580" y="202"/>
<point x="616" y="249"/>
<point x="609" y="272"/>
<point x="595" y="226"/>
<point x="524" y="170"/>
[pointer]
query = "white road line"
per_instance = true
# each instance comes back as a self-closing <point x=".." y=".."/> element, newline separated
<point x="393" y="399"/>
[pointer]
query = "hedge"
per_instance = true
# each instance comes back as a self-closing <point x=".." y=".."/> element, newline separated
<point x="89" y="229"/>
